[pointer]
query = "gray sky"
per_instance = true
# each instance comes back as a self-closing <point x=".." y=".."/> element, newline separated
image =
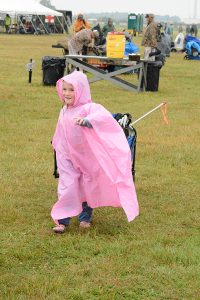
<point x="181" y="8"/>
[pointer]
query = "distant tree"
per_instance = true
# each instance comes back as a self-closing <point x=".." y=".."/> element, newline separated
<point x="123" y="17"/>
<point x="47" y="3"/>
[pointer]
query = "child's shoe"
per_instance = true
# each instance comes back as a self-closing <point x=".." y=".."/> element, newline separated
<point x="84" y="224"/>
<point x="59" y="228"/>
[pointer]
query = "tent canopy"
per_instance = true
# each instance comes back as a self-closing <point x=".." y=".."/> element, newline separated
<point x="30" y="7"/>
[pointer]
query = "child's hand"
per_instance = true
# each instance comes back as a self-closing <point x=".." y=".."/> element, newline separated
<point x="79" y="120"/>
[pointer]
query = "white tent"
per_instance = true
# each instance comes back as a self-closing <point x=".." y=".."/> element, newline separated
<point x="23" y="7"/>
<point x="16" y="8"/>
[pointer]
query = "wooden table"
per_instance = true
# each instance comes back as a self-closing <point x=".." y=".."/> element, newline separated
<point x="80" y="61"/>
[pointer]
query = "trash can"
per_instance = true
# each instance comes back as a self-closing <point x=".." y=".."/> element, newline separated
<point x="53" y="69"/>
<point x="153" y="74"/>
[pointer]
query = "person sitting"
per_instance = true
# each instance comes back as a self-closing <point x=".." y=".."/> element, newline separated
<point x="130" y="47"/>
<point x="29" y="28"/>
<point x="80" y="24"/>
<point x="109" y="27"/>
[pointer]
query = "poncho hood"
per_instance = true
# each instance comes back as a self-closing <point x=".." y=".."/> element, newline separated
<point x="81" y="88"/>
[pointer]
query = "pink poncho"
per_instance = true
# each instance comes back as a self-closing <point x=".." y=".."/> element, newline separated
<point x="94" y="164"/>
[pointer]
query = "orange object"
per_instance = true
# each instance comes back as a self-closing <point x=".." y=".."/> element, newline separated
<point x="81" y="24"/>
<point x="164" y="113"/>
<point x="97" y="63"/>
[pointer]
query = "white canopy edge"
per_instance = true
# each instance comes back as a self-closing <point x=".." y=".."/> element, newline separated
<point x="30" y="7"/>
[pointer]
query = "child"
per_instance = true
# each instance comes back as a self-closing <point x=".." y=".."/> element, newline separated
<point x="93" y="157"/>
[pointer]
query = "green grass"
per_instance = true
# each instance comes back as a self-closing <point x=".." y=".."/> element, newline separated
<point x="154" y="257"/>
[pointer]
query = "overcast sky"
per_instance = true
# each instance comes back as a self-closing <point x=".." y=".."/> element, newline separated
<point x="181" y="8"/>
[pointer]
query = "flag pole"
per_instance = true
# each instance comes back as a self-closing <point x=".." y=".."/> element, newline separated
<point x="148" y="113"/>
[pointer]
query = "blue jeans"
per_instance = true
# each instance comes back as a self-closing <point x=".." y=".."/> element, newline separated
<point x="85" y="215"/>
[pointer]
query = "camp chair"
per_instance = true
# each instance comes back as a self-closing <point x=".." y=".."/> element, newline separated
<point x="131" y="135"/>
<point x="124" y="121"/>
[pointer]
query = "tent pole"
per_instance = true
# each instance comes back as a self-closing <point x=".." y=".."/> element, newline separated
<point x="43" y="24"/>
<point x="33" y="25"/>
<point x="69" y="21"/>
<point x="55" y="28"/>
<point x="65" y="21"/>
<point x="22" y="25"/>
<point x="61" y="24"/>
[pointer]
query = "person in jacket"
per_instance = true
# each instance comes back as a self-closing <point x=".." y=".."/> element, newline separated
<point x="7" y="23"/>
<point x="194" y="30"/>
<point x="109" y="27"/>
<point x="93" y="157"/>
<point x="130" y="47"/>
<point x="81" y="39"/>
<point x="149" y="40"/>
<point x="81" y="23"/>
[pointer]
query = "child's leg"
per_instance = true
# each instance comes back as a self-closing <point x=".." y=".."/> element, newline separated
<point x="86" y="214"/>
<point x="64" y="221"/>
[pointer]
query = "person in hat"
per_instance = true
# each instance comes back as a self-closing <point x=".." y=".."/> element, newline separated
<point x="80" y="23"/>
<point x="149" y="40"/>
<point x="93" y="157"/>
<point x="82" y="39"/>
<point x="109" y="27"/>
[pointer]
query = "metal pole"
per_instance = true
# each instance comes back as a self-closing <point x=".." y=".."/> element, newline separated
<point x="33" y="25"/>
<point x="148" y="113"/>
<point x="30" y="72"/>
<point x="65" y="22"/>
<point x="61" y="24"/>
<point x="43" y="24"/>
<point x="25" y="31"/>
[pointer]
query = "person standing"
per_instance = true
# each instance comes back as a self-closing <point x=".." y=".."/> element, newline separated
<point x="187" y="29"/>
<point x="93" y="157"/>
<point x="80" y="24"/>
<point x="149" y="40"/>
<point x="81" y="39"/>
<point x="194" y="30"/>
<point x="109" y="27"/>
<point x="7" y="23"/>
<point x="170" y="31"/>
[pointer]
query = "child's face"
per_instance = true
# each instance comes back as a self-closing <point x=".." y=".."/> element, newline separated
<point x="68" y="93"/>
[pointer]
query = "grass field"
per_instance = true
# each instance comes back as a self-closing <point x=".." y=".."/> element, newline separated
<point x="154" y="257"/>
